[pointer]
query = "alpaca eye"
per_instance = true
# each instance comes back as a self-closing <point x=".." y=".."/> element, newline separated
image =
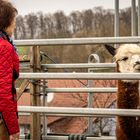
<point x="125" y="58"/>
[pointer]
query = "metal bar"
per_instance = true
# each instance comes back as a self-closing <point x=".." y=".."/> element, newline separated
<point x="92" y="58"/>
<point x="77" y="41"/>
<point x="71" y="90"/>
<point x="138" y="17"/>
<point x="99" y="76"/>
<point x="45" y="83"/>
<point x="80" y="65"/>
<point x="90" y="105"/>
<point x="133" y="18"/>
<point x="24" y="114"/>
<point x="82" y="90"/>
<point x="53" y="137"/>
<point x="57" y="137"/>
<point x="116" y="26"/>
<point x="75" y="65"/>
<point x="66" y="111"/>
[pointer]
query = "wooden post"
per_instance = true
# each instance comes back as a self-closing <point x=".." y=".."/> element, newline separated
<point x="35" y="94"/>
<point x="22" y="88"/>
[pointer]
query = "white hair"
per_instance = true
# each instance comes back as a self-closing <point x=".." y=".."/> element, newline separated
<point x="126" y="50"/>
<point x="128" y="59"/>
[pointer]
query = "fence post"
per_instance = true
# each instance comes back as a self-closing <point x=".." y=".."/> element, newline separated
<point x="93" y="58"/>
<point x="138" y="17"/>
<point x="35" y="94"/>
<point x="45" y="94"/>
<point x="133" y="18"/>
<point x="116" y="19"/>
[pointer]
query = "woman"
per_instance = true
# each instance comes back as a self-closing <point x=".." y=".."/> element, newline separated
<point x="9" y="72"/>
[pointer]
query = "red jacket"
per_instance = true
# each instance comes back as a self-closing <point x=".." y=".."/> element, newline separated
<point x="9" y="72"/>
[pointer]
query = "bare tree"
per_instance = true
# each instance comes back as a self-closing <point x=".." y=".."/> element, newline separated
<point x="20" y="32"/>
<point x="42" y="26"/>
<point x="61" y="24"/>
<point x="49" y="23"/>
<point x="76" y="23"/>
<point x="87" y="20"/>
<point x="32" y="24"/>
<point x="125" y="22"/>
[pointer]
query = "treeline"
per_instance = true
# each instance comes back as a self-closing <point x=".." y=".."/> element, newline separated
<point x="96" y="22"/>
<point x="91" y="22"/>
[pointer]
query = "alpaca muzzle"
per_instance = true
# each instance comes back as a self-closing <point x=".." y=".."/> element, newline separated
<point x="137" y="66"/>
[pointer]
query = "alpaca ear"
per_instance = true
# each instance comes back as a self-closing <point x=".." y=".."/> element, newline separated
<point x="110" y="49"/>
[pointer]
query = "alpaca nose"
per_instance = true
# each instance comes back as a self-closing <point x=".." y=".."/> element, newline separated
<point x="137" y="65"/>
<point x="137" y="62"/>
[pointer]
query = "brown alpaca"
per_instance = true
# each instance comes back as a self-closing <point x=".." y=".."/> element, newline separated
<point x="127" y="58"/>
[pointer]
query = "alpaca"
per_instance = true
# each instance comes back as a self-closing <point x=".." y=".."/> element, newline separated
<point x="127" y="58"/>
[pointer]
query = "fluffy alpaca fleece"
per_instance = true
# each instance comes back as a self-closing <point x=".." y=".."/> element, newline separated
<point x="127" y="50"/>
<point x="128" y="128"/>
<point x="127" y="58"/>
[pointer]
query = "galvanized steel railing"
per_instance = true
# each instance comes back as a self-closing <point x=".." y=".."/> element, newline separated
<point x="77" y="41"/>
<point x="102" y="76"/>
<point x="70" y="111"/>
<point x="94" y="76"/>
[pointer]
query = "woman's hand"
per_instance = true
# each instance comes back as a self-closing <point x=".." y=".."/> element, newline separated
<point x="14" y="136"/>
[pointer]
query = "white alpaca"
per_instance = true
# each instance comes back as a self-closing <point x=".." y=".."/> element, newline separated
<point x="127" y="58"/>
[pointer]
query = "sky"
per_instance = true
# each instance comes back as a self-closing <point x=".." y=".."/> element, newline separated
<point x="50" y="6"/>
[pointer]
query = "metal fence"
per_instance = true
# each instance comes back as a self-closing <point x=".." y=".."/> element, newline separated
<point x="110" y="76"/>
<point x="57" y="111"/>
<point x="78" y="41"/>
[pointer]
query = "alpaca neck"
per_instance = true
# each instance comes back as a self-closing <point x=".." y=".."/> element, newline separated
<point x="128" y="98"/>
<point x="128" y="95"/>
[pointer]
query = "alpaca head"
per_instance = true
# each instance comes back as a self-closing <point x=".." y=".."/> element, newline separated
<point x="127" y="57"/>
